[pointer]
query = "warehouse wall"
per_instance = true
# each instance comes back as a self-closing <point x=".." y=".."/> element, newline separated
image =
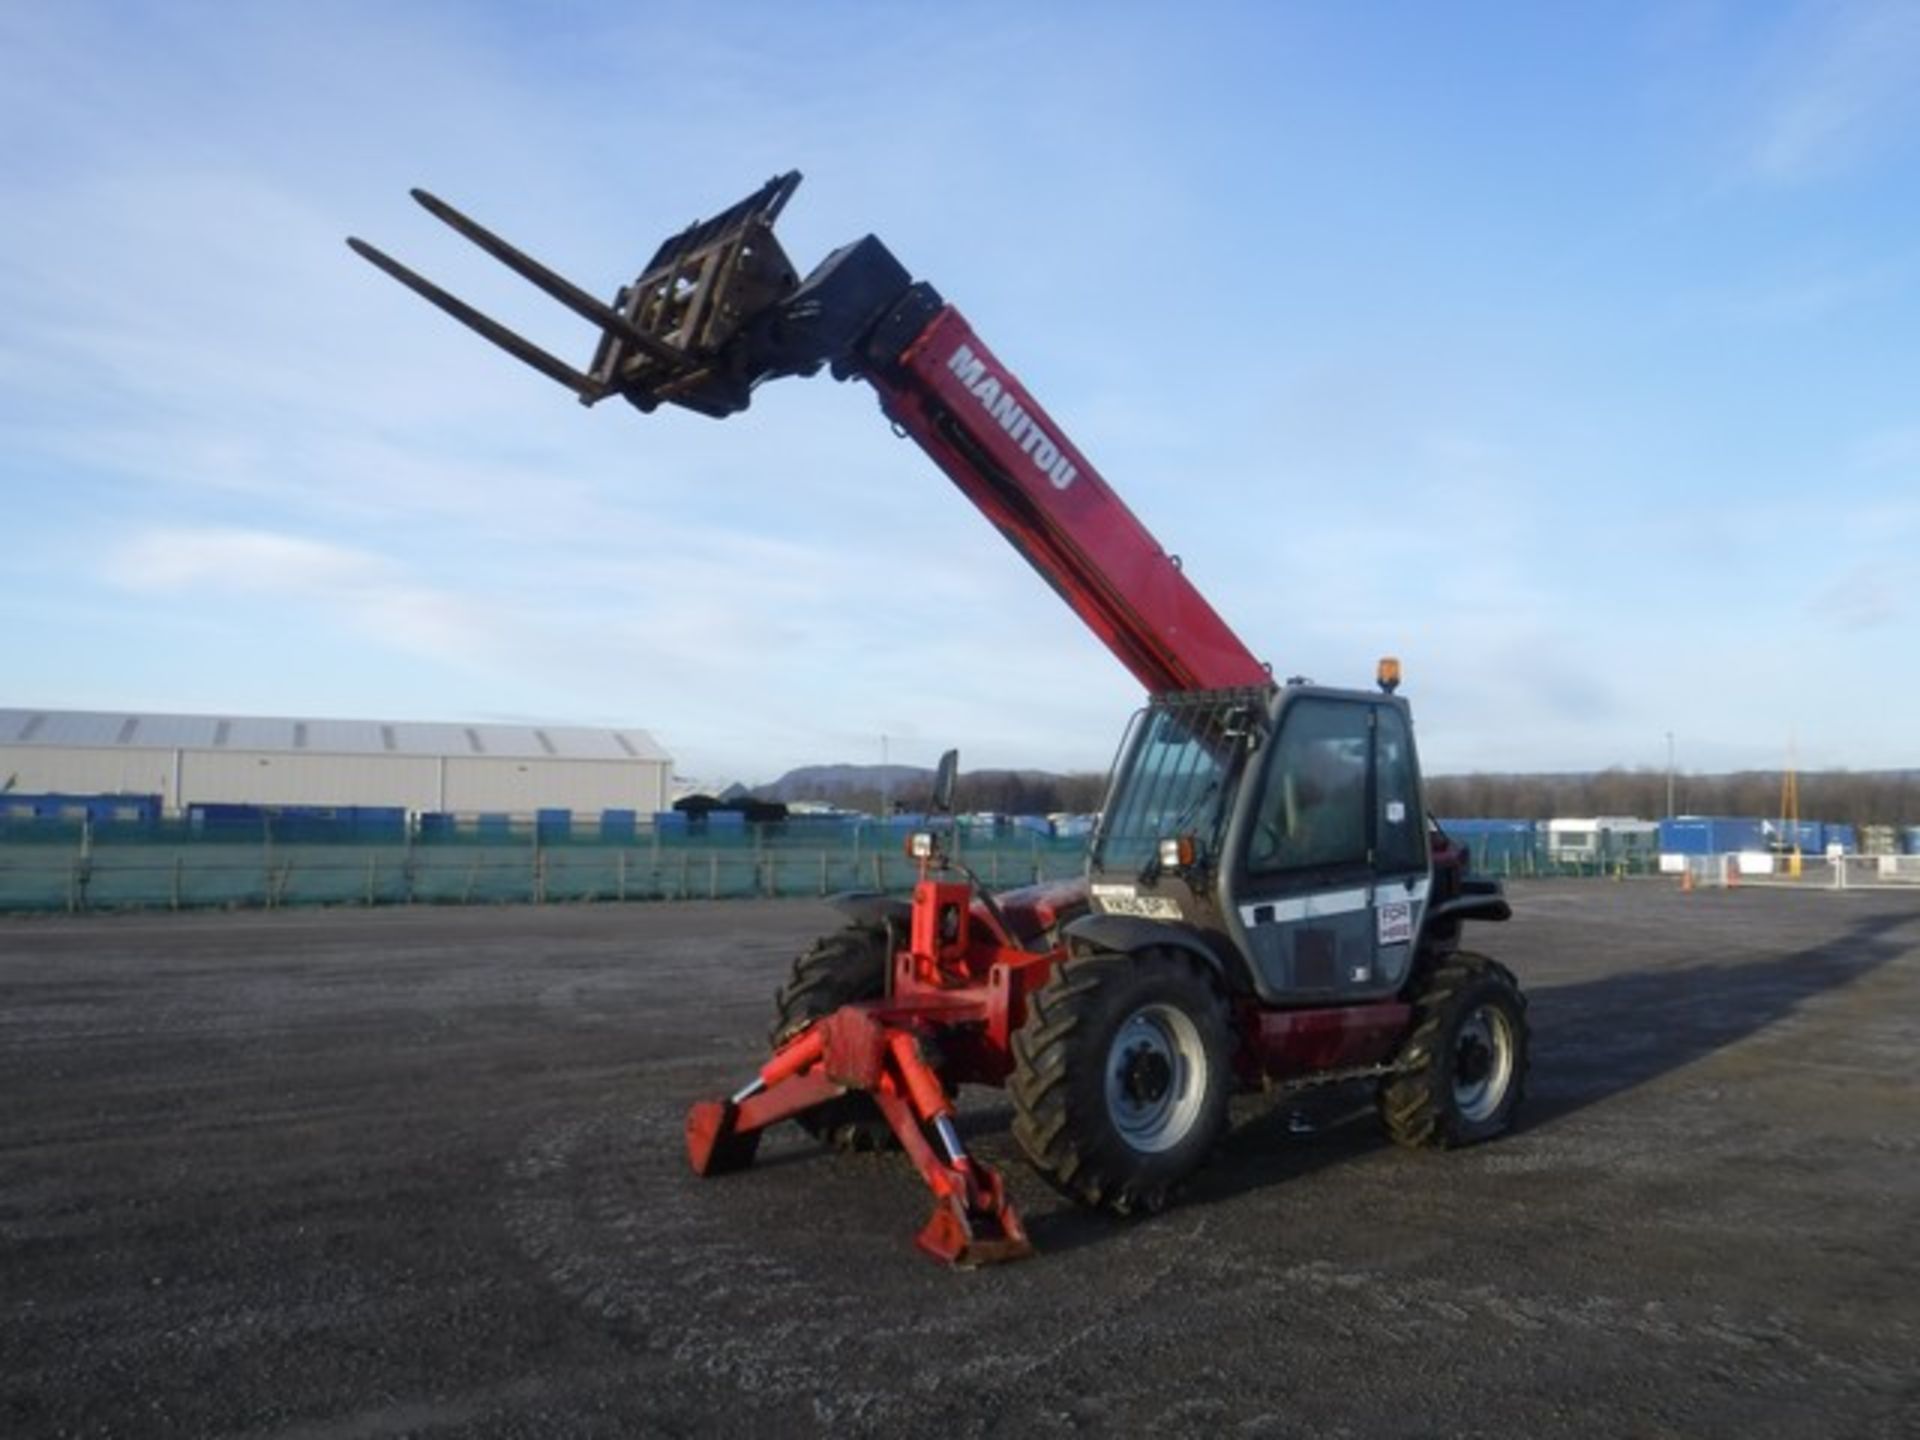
<point x="240" y="777"/>
<point x="42" y="770"/>
<point x="456" y="783"/>
<point x="479" y="783"/>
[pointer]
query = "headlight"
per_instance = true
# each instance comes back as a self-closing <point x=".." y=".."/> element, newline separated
<point x="920" y="845"/>
<point x="1177" y="853"/>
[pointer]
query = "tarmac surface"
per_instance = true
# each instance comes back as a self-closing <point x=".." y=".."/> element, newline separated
<point x="420" y="1172"/>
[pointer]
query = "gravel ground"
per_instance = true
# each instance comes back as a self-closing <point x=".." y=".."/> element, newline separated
<point x="404" y="1172"/>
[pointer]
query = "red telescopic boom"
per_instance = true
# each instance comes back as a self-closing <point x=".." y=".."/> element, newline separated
<point x="719" y="309"/>
<point x="980" y="425"/>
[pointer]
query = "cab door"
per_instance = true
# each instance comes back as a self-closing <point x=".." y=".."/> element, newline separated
<point x="1333" y="864"/>
<point x="1402" y="861"/>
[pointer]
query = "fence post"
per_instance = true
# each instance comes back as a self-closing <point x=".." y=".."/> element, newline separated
<point x="823" y="871"/>
<point x="82" y="868"/>
<point x="373" y="862"/>
<point x="176" y="881"/>
<point x="622" y="872"/>
<point x="713" y="874"/>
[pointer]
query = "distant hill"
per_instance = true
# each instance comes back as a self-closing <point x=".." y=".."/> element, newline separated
<point x="907" y="787"/>
<point x="834" y="783"/>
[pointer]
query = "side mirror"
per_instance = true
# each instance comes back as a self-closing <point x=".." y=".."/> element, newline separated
<point x="944" y="776"/>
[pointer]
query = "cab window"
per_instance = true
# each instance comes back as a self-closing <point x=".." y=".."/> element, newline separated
<point x="1313" y="810"/>
<point x="1399" y="825"/>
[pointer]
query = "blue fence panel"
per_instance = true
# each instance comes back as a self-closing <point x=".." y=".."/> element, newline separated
<point x="1712" y="835"/>
<point x="1809" y="837"/>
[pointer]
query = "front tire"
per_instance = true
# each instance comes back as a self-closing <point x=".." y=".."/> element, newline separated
<point x="836" y="970"/>
<point x="1466" y="1060"/>
<point x="1121" y="1077"/>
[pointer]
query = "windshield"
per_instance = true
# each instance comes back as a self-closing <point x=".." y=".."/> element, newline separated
<point x="1174" y="771"/>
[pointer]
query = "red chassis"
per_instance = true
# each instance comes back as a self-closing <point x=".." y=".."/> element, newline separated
<point x="957" y="993"/>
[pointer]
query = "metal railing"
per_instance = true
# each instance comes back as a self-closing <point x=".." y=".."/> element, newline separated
<point x="89" y="868"/>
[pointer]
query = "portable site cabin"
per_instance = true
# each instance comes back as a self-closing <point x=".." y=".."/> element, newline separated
<point x="1602" y="840"/>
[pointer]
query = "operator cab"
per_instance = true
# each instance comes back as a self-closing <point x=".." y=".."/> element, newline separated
<point x="1282" y="828"/>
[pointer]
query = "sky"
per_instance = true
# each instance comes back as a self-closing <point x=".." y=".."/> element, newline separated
<point x="1570" y="353"/>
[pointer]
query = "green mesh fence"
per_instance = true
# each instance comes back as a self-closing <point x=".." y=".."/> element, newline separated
<point x="1509" y="850"/>
<point x="71" y="867"/>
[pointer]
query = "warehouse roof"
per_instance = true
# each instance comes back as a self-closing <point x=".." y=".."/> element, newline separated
<point x="113" y="729"/>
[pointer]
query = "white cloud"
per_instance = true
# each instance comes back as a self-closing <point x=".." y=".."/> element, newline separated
<point x="1863" y="597"/>
<point x="1894" y="448"/>
<point x="1850" y="86"/>
<point x="240" y="561"/>
<point x="330" y="583"/>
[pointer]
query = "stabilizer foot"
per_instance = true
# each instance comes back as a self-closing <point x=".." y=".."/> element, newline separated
<point x="987" y="1233"/>
<point x="714" y="1143"/>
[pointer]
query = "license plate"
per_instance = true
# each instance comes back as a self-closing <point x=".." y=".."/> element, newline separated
<point x="1120" y="900"/>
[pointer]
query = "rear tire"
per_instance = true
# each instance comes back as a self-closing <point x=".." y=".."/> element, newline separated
<point x="1121" y="1077"/>
<point x="836" y="970"/>
<point x="1467" y="1057"/>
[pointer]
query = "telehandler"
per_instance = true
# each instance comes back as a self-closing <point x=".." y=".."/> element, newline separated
<point x="1266" y="903"/>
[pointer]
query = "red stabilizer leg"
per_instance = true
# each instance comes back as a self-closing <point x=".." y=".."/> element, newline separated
<point x="983" y="1229"/>
<point x="973" y="1221"/>
<point x="724" y="1135"/>
<point x="715" y="1143"/>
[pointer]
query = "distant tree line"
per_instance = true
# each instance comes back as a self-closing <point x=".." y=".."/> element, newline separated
<point x="1027" y="792"/>
<point x="1010" y="792"/>
<point x="1868" y="797"/>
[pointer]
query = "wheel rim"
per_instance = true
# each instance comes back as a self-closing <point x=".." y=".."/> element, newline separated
<point x="1482" y="1063"/>
<point x="1156" y="1077"/>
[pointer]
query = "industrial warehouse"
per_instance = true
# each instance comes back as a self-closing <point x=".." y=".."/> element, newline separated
<point x="136" y="811"/>
<point x="173" y="766"/>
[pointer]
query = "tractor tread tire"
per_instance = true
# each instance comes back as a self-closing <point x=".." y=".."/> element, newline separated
<point x="836" y="970"/>
<point x="1058" y="1082"/>
<point x="1417" y="1104"/>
